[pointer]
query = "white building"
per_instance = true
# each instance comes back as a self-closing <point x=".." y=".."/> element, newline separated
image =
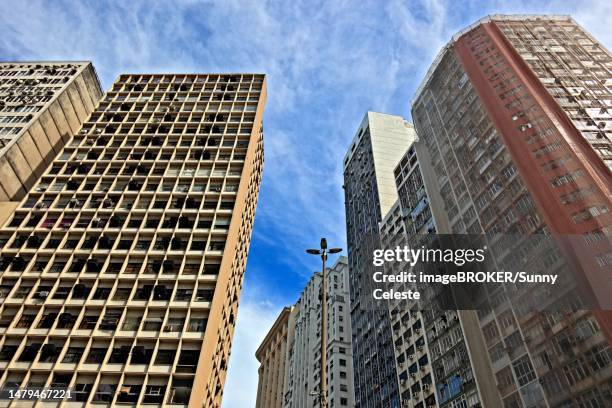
<point x="301" y="382"/>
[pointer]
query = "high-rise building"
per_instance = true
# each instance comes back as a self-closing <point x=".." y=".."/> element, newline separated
<point x="122" y="267"/>
<point x="370" y="193"/>
<point x="412" y="355"/>
<point x="300" y="376"/>
<point x="514" y="116"/>
<point x="42" y="105"/>
<point x="435" y="366"/>
<point x="272" y="355"/>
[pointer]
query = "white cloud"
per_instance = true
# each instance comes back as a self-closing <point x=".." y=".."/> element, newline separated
<point x="255" y="317"/>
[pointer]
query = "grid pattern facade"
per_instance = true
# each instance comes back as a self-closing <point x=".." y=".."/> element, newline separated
<point x="369" y="187"/>
<point x="502" y="165"/>
<point x="575" y="69"/>
<point x="122" y="267"/>
<point x="42" y="104"/>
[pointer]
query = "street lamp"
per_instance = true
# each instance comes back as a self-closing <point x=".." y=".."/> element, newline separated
<point x="323" y="368"/>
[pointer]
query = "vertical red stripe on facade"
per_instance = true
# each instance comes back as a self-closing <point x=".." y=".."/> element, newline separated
<point x="584" y="158"/>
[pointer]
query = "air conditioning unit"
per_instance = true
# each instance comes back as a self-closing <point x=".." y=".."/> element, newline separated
<point x="43" y="294"/>
<point x="413" y="375"/>
<point x="419" y="348"/>
<point x="411" y="356"/>
<point x="425" y="386"/>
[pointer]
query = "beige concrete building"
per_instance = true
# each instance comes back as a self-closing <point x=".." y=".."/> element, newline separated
<point x="122" y="267"/>
<point x="42" y="105"/>
<point x="272" y="355"/>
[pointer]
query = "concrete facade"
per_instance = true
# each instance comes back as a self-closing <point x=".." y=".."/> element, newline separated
<point x="122" y="267"/>
<point x="272" y="355"/>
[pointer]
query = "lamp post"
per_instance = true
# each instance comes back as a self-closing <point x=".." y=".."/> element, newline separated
<point x="323" y="251"/>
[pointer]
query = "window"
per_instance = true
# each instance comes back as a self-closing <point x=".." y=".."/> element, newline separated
<point x="25" y="321"/>
<point x="131" y="323"/>
<point x="73" y="354"/>
<point x="165" y="357"/>
<point x="49" y="353"/>
<point x="188" y="360"/>
<point x="23" y="291"/>
<point x="174" y="324"/>
<point x="7" y="352"/>
<point x="102" y="293"/>
<point x="183" y="294"/>
<point x="197" y="324"/>
<point x="119" y="354"/>
<point x="204" y="295"/>
<point x="523" y="370"/>
<point x="154" y="394"/>
<point x="89" y="322"/>
<point x="47" y="320"/>
<point x="180" y="391"/>
<point x="129" y="393"/>
<point x="96" y="355"/>
<point x="82" y="391"/>
<point x="29" y="352"/>
<point x="105" y="392"/>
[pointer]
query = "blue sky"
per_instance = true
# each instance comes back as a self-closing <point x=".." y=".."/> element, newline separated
<point x="327" y="63"/>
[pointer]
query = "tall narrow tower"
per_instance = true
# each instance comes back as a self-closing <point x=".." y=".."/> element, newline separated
<point x="370" y="193"/>
<point x="122" y="267"/>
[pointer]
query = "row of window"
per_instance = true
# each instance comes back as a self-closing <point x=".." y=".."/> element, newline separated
<point x="171" y="220"/>
<point x="83" y="290"/>
<point x="131" y="391"/>
<point x="187" y="79"/>
<point x="161" y="141"/>
<point x="144" y="242"/>
<point x="144" y="202"/>
<point x="99" y="354"/>
<point x="94" y="265"/>
<point x="114" y="319"/>
<point x="135" y="184"/>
